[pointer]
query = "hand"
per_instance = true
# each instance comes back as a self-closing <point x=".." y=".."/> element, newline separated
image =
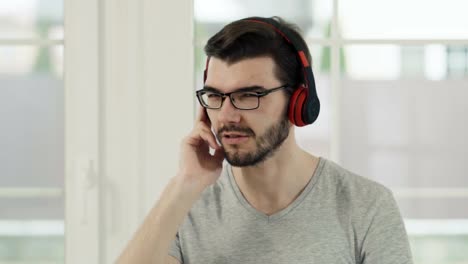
<point x="197" y="166"/>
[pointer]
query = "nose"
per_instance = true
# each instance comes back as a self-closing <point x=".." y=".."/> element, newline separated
<point x="228" y="113"/>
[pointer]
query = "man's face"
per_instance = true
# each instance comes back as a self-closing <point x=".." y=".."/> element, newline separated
<point x="248" y="136"/>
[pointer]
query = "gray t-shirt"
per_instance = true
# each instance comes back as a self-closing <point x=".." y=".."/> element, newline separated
<point x="339" y="217"/>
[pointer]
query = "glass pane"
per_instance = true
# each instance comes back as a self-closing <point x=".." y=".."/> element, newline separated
<point x="31" y="60"/>
<point x="404" y="19"/>
<point x="31" y="103"/>
<point x="313" y="17"/>
<point x="438" y="241"/>
<point x="432" y="62"/>
<point x="440" y="249"/>
<point x="199" y="67"/>
<point x="31" y="19"/>
<point x="32" y="156"/>
<point x="426" y="207"/>
<point x="29" y="208"/>
<point x="406" y="133"/>
<point x="32" y="242"/>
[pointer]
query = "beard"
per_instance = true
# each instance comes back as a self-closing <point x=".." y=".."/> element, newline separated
<point x="266" y="145"/>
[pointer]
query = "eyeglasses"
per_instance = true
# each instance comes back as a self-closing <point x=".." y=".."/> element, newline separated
<point x="243" y="100"/>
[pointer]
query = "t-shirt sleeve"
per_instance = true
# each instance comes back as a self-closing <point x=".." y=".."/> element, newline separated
<point x="175" y="250"/>
<point x="386" y="240"/>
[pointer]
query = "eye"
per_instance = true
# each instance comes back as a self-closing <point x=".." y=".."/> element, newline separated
<point x="213" y="95"/>
<point x="249" y="94"/>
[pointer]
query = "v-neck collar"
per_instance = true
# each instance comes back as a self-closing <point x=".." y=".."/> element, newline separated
<point x="283" y="212"/>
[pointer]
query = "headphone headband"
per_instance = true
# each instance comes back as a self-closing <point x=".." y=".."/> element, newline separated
<point x="293" y="40"/>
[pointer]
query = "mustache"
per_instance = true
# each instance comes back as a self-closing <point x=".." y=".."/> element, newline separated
<point x="231" y="128"/>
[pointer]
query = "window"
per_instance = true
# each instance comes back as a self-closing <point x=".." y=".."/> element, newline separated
<point x="32" y="156"/>
<point x="393" y="95"/>
<point x="457" y="61"/>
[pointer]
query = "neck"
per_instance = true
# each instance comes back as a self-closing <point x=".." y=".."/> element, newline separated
<point x="275" y="183"/>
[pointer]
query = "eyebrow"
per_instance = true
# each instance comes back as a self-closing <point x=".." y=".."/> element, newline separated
<point x="243" y="89"/>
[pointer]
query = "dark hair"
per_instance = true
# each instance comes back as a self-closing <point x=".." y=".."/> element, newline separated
<point x="243" y="39"/>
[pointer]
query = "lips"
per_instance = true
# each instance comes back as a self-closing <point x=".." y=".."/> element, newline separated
<point x="230" y="138"/>
<point x="234" y="139"/>
<point x="234" y="135"/>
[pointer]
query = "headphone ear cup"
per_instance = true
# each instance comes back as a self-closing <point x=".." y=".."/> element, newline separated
<point x="296" y="104"/>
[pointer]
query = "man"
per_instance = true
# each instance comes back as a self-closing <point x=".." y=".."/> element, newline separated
<point x="270" y="202"/>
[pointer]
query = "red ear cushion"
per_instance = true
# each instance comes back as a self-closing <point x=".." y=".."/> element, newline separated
<point x="292" y="105"/>
<point x="295" y="106"/>
<point x="299" y="106"/>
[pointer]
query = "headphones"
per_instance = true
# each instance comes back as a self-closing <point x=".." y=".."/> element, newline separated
<point x="304" y="105"/>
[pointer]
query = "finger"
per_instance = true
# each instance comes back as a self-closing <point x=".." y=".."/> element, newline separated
<point x="195" y="137"/>
<point x="207" y="129"/>
<point x="202" y="126"/>
<point x="209" y="137"/>
<point x="202" y="116"/>
<point x="195" y="133"/>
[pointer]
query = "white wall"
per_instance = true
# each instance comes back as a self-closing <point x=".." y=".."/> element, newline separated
<point x="144" y="106"/>
<point x="148" y="108"/>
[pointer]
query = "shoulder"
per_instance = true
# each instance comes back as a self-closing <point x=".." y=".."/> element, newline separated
<point x="358" y="191"/>
<point x="348" y="181"/>
<point x="358" y="200"/>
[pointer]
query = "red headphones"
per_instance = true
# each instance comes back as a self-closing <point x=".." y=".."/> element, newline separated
<point x="304" y="105"/>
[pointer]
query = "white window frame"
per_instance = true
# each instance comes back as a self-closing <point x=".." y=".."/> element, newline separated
<point x="82" y="116"/>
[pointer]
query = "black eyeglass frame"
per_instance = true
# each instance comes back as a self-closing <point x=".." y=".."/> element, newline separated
<point x="201" y="92"/>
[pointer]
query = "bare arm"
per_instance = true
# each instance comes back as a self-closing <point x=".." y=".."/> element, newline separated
<point x="198" y="169"/>
<point x="152" y="240"/>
